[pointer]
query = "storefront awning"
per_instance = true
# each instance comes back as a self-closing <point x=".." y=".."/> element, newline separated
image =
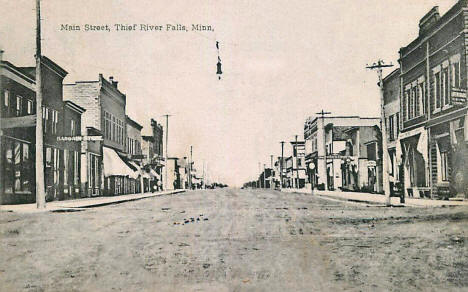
<point x="114" y="165"/>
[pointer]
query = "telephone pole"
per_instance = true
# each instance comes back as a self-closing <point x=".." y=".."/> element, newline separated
<point x="322" y="113"/>
<point x="281" y="164"/>
<point x="165" y="153"/>
<point x="259" y="176"/>
<point x="271" y="171"/>
<point x="297" y="164"/>
<point x="383" y="129"/>
<point x="40" y="187"/>
<point x="190" y="167"/>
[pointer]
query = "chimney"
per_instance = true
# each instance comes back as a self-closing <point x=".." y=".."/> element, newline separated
<point x="112" y="81"/>
<point x="429" y="19"/>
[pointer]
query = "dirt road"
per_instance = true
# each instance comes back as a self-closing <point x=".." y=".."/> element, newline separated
<point x="236" y="240"/>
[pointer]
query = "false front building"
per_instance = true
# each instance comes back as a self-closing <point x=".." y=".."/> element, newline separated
<point x="433" y="96"/>
<point x="18" y="116"/>
<point x="343" y="153"/>
<point x="105" y="167"/>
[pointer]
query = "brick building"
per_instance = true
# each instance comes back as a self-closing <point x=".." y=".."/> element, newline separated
<point x="61" y="163"/>
<point x="105" y="114"/>
<point x="433" y="91"/>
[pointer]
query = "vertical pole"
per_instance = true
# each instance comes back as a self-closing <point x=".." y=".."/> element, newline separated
<point x="386" y="186"/>
<point x="297" y="165"/>
<point x="259" y="171"/>
<point x="264" y="176"/>
<point x="271" y="171"/>
<point x="325" y="151"/>
<point x="142" y="169"/>
<point x="203" y="182"/>
<point x="165" y="154"/>
<point x="281" y="164"/>
<point x="190" y="168"/>
<point x="40" y="187"/>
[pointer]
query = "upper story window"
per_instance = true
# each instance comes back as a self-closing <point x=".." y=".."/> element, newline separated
<point x="55" y="121"/>
<point x="371" y="151"/>
<point x="29" y="107"/>
<point x="455" y="72"/>
<point x="6" y="103"/>
<point x="446" y="77"/>
<point x="414" y="99"/>
<point x="6" y="98"/>
<point x="19" y="105"/>
<point x="113" y="129"/>
<point x="45" y="118"/>
<point x="72" y="128"/>
<point x="391" y="127"/>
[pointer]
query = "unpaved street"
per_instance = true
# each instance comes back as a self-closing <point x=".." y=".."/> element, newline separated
<point x="236" y="240"/>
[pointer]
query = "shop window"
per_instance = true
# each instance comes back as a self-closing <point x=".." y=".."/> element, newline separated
<point x="9" y="168"/>
<point x="76" y="166"/>
<point x="444" y="159"/>
<point x="27" y="166"/>
<point x="17" y="166"/>
<point x="66" y="161"/>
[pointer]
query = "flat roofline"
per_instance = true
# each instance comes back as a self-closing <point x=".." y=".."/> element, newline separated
<point x="81" y="81"/>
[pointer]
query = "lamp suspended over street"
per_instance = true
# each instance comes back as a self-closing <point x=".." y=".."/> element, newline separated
<point x="218" y="65"/>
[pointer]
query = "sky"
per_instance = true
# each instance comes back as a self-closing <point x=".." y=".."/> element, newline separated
<point x="282" y="62"/>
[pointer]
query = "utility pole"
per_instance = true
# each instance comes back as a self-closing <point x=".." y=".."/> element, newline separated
<point x="190" y="167"/>
<point x="203" y="182"/>
<point x="165" y="154"/>
<point x="271" y="171"/>
<point x="322" y="113"/>
<point x="260" y="174"/>
<point x="386" y="187"/>
<point x="281" y="164"/>
<point x="40" y="187"/>
<point x="297" y="164"/>
<point x="264" y="176"/>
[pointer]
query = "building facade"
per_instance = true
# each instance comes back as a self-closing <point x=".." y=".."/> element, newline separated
<point x="105" y="112"/>
<point x="391" y="85"/>
<point x="433" y="95"/>
<point x="18" y="110"/>
<point x="343" y="153"/>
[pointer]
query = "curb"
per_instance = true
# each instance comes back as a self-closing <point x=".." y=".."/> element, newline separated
<point x="77" y="205"/>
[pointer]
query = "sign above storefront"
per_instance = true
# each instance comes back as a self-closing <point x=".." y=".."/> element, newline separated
<point x="79" y="138"/>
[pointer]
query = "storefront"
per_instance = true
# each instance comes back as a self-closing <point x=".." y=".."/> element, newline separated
<point x="118" y="176"/>
<point x="17" y="171"/>
<point x="449" y="158"/>
<point x="414" y="145"/>
<point x="349" y="173"/>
